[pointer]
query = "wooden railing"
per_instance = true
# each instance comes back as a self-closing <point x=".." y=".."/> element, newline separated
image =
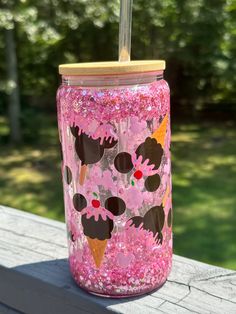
<point x="35" y="278"/>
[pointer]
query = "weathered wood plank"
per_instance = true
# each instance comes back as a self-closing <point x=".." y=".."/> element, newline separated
<point x="4" y="309"/>
<point x="35" y="278"/>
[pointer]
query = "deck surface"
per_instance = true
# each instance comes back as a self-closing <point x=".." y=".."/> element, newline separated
<point x="35" y="278"/>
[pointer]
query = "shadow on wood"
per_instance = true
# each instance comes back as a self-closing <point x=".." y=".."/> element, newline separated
<point x="47" y="287"/>
<point x="35" y="277"/>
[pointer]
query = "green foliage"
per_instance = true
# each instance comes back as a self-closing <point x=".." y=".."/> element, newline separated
<point x="196" y="37"/>
<point x="204" y="180"/>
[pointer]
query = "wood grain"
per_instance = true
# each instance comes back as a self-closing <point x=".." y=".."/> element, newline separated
<point x="111" y="67"/>
<point x="35" y="278"/>
<point x="8" y="310"/>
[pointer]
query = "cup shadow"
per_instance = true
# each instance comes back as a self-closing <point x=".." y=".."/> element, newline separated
<point x="56" y="274"/>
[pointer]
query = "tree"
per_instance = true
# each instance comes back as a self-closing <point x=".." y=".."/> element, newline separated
<point x="12" y="75"/>
<point x="14" y="95"/>
<point x="195" y="37"/>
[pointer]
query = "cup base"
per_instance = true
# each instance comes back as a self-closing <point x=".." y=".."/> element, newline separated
<point x="121" y="296"/>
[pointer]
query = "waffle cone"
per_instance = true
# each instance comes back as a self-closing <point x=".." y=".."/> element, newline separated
<point x="82" y="174"/>
<point x="160" y="133"/>
<point x="97" y="249"/>
<point x="165" y="197"/>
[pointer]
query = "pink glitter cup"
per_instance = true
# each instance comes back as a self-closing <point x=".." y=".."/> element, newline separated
<point x="114" y="127"/>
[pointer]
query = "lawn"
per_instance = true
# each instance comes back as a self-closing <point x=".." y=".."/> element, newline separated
<point x="204" y="181"/>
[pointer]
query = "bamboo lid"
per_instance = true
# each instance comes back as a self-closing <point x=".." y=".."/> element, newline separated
<point x="110" y="68"/>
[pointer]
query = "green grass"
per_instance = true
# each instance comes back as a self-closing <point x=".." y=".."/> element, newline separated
<point x="30" y="177"/>
<point x="204" y="181"/>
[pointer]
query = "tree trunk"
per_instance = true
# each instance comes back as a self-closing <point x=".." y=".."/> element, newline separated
<point x="14" y="95"/>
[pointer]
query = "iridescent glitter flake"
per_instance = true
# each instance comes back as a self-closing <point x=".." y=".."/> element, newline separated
<point x="114" y="104"/>
<point x="140" y="267"/>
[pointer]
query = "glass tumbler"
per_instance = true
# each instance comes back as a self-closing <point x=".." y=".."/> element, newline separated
<point x="114" y="129"/>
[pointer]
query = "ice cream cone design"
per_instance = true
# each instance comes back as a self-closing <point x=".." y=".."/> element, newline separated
<point x="97" y="222"/>
<point x="160" y="133"/>
<point x="97" y="249"/>
<point x="82" y="174"/>
<point x="97" y="230"/>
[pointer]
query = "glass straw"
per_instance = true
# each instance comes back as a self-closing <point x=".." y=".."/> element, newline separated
<point x="125" y="30"/>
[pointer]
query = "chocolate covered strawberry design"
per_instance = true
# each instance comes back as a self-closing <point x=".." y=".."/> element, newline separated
<point x="98" y="222"/>
<point x="90" y="150"/>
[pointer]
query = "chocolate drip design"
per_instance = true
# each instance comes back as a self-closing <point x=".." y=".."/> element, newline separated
<point x="152" y="221"/>
<point x="90" y="150"/>
<point x="151" y="150"/>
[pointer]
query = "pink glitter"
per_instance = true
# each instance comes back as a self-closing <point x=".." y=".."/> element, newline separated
<point x="147" y="265"/>
<point x="144" y="101"/>
<point x="137" y="258"/>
